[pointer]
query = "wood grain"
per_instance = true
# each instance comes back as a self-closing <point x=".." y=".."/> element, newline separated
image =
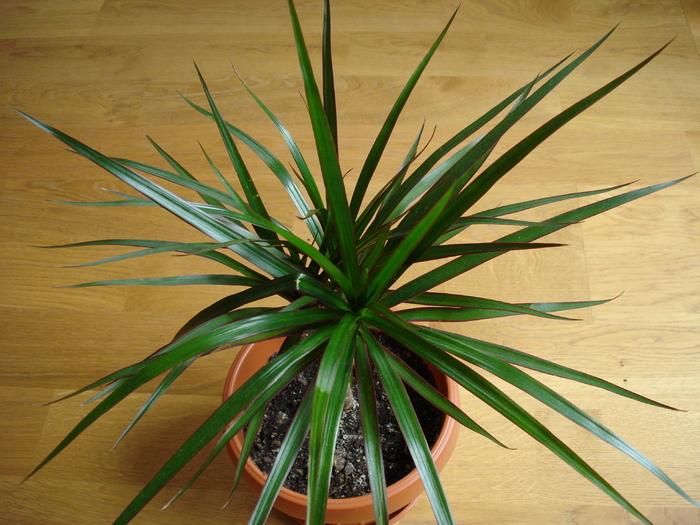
<point x="107" y="71"/>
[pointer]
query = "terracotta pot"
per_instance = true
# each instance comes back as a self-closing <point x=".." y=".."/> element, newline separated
<point x="402" y="495"/>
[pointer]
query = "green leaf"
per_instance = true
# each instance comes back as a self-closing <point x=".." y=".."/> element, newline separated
<point x="165" y="245"/>
<point x="276" y="166"/>
<point x="428" y="392"/>
<point x="310" y="286"/>
<point x="454" y="179"/>
<point x="550" y="398"/>
<point x="452" y="250"/>
<point x="280" y="286"/>
<point x="455" y="305"/>
<point x="241" y="204"/>
<point x="302" y="247"/>
<point x="422" y="171"/>
<point x="251" y="192"/>
<point x="248" y="441"/>
<point x="476" y="314"/>
<point x="382" y="139"/>
<point x="496" y="170"/>
<point x="532" y="362"/>
<point x="394" y="266"/>
<point x="126" y="202"/>
<point x="336" y="197"/>
<point x="332" y="382"/>
<point x="240" y="332"/>
<point x="391" y="187"/>
<point x="527" y="205"/>
<point x="179" y="280"/>
<point x="209" y="194"/>
<point x="370" y="430"/>
<point x="495" y="398"/>
<point x="427" y="182"/>
<point x="284" y="461"/>
<point x="328" y="81"/>
<point x="462" y="171"/>
<point x="454" y="173"/>
<point x="276" y="373"/>
<point x="156" y="395"/>
<point x="372" y="249"/>
<point x="183" y="209"/>
<point x="465" y="222"/>
<point x="202" y="249"/>
<point x="411" y="429"/>
<point x="114" y="379"/>
<point x="465" y="263"/>
<point x="181" y="171"/>
<point x="265" y="155"/>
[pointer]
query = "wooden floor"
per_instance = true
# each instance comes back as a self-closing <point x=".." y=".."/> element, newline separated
<point x="107" y="71"/>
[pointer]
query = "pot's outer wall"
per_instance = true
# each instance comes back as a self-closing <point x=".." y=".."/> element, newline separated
<point x="402" y="495"/>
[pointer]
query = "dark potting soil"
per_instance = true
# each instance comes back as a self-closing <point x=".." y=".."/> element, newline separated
<point x="349" y="477"/>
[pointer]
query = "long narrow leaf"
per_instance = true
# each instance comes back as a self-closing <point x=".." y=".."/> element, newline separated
<point x="418" y="175"/>
<point x="285" y="459"/>
<point x="465" y="263"/>
<point x="162" y="388"/>
<point x="336" y="197"/>
<point x="550" y="398"/>
<point x="328" y="80"/>
<point x="171" y="202"/>
<point x="181" y="170"/>
<point x="332" y="381"/>
<point x="202" y="249"/>
<point x="114" y="379"/>
<point x="126" y="202"/>
<point x="213" y="255"/>
<point x="306" y="176"/>
<point x="276" y="166"/>
<point x="428" y="392"/>
<point x="495" y="398"/>
<point x="480" y="151"/>
<point x="179" y="280"/>
<point x="464" y="301"/>
<point x="447" y="315"/>
<point x="516" y="357"/>
<point x="395" y="265"/>
<point x="277" y="373"/>
<point x="244" y="177"/>
<point x="231" y="191"/>
<point x="453" y="180"/>
<point x="209" y="194"/>
<point x="370" y="430"/>
<point x="241" y="332"/>
<point x="410" y="427"/>
<point x="527" y="205"/>
<point x="248" y="442"/>
<point x="454" y="173"/>
<point x="513" y="156"/>
<point x="476" y="314"/>
<point x="281" y="286"/>
<point x="382" y="139"/>
<point x="453" y="250"/>
<point x="389" y="189"/>
<point x="302" y="247"/>
<point x="465" y="222"/>
<point x="427" y="182"/>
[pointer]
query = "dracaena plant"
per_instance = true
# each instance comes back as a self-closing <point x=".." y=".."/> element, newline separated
<point x="342" y="286"/>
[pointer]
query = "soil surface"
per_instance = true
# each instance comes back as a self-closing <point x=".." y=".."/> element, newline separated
<point x="350" y="477"/>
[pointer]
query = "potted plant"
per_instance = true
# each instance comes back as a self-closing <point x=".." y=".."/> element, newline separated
<point x="351" y="282"/>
